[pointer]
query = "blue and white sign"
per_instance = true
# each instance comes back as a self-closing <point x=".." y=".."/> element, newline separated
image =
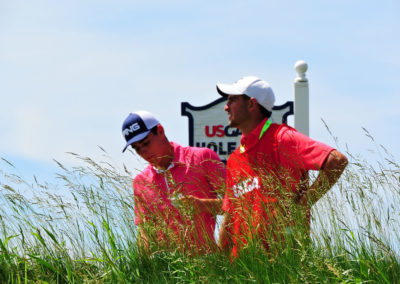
<point x="209" y="127"/>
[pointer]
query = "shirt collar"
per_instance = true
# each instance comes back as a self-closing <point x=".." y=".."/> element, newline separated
<point x="174" y="161"/>
<point x="249" y="140"/>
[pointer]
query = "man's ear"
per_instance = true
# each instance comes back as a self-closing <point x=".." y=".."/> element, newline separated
<point x="160" y="129"/>
<point x="253" y="104"/>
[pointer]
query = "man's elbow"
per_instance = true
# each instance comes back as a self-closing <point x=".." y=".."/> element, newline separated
<point x="341" y="161"/>
<point x="336" y="163"/>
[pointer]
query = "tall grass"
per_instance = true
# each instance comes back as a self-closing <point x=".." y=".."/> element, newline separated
<point x="82" y="231"/>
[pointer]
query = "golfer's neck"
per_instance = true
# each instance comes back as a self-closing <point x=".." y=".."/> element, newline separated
<point x="165" y="161"/>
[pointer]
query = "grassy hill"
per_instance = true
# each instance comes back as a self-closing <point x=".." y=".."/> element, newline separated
<point x="82" y="231"/>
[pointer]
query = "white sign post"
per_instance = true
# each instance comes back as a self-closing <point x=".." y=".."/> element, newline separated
<point x="301" y="99"/>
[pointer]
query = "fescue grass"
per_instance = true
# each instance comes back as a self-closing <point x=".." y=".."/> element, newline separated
<point x="82" y="231"/>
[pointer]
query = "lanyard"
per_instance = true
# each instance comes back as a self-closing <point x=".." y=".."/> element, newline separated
<point x="267" y="124"/>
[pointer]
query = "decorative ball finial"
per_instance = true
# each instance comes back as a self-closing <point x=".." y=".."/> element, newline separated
<point x="301" y="69"/>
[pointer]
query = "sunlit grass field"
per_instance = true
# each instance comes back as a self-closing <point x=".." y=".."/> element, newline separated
<point x="82" y="231"/>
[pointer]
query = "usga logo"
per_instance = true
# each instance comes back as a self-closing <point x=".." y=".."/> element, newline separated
<point x="221" y="131"/>
<point x="246" y="186"/>
<point x="134" y="127"/>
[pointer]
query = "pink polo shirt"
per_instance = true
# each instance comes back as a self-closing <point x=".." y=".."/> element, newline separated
<point x="194" y="171"/>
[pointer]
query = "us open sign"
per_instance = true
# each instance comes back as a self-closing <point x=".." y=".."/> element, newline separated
<point x="209" y="127"/>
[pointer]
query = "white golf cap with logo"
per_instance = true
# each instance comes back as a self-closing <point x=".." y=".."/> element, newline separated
<point x="252" y="87"/>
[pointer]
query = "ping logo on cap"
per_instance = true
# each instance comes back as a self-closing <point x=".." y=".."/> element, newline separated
<point x="134" y="127"/>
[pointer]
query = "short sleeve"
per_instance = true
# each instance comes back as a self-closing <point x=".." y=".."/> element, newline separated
<point x="214" y="170"/>
<point x="296" y="150"/>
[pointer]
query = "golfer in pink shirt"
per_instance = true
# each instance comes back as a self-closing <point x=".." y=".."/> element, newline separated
<point x="176" y="195"/>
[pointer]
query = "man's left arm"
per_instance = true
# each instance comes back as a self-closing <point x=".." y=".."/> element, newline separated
<point x="214" y="172"/>
<point x="211" y="205"/>
<point x="330" y="172"/>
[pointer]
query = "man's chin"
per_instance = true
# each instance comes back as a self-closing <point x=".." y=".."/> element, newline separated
<point x="233" y="123"/>
<point x="151" y="161"/>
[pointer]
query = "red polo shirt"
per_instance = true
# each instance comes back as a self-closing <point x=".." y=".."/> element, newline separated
<point x="263" y="169"/>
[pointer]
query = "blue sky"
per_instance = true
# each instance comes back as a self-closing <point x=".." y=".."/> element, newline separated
<point x="71" y="71"/>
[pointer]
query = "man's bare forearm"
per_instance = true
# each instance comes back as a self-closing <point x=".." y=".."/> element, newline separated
<point x="329" y="174"/>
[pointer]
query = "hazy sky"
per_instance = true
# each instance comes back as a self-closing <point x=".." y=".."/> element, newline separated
<point x="71" y="71"/>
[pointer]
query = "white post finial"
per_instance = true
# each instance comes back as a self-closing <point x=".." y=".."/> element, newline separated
<point x="301" y="98"/>
<point x="301" y="69"/>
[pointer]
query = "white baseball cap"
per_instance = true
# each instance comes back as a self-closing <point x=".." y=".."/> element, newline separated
<point x="253" y="87"/>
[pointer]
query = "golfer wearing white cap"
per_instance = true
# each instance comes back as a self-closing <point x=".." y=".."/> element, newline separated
<point x="176" y="195"/>
<point x="269" y="165"/>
